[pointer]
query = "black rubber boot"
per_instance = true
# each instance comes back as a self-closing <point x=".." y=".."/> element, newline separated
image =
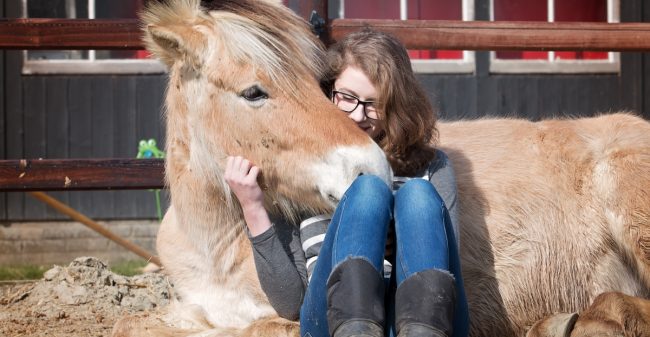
<point x="355" y="300"/>
<point x="424" y="305"/>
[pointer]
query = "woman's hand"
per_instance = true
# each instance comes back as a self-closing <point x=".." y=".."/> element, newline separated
<point x="241" y="176"/>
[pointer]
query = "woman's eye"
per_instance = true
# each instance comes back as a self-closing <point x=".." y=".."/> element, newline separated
<point x="254" y="93"/>
<point x="349" y="98"/>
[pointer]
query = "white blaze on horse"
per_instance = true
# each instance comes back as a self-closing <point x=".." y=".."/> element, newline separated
<point x="552" y="213"/>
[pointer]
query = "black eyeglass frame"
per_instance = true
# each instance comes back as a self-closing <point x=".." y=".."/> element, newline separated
<point x="359" y="101"/>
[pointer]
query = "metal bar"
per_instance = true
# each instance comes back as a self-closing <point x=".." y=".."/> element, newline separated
<point x="81" y="174"/>
<point x="67" y="210"/>
<point x="304" y="9"/>
<point x="415" y="34"/>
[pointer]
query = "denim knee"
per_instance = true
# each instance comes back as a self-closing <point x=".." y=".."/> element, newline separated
<point x="419" y="193"/>
<point x="371" y="188"/>
<point x="370" y="182"/>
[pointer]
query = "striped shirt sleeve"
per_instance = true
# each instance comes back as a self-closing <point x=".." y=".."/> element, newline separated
<point x="312" y="233"/>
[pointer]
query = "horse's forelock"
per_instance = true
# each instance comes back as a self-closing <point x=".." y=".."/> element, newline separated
<point x="270" y="37"/>
<point x="264" y="34"/>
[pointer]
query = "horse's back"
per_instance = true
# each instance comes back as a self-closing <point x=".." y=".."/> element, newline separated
<point x="550" y="213"/>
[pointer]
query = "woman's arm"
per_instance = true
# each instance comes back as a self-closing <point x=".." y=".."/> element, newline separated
<point x="280" y="264"/>
<point x="278" y="256"/>
<point x="444" y="180"/>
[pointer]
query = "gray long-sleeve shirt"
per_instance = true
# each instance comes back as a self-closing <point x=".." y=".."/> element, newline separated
<point x="280" y="259"/>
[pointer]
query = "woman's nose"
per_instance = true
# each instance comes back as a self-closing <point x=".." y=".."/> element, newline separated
<point x="357" y="114"/>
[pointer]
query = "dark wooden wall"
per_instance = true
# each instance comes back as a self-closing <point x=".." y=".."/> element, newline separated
<point x="84" y="117"/>
<point x="105" y="116"/>
<point x="644" y="90"/>
<point x="88" y="116"/>
<point x="3" y="80"/>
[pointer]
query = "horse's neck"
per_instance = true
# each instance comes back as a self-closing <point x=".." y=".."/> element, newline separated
<point x="203" y="212"/>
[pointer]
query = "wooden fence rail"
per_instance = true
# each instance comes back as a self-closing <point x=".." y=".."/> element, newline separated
<point x="80" y="174"/>
<point x="70" y="34"/>
<point x="415" y="34"/>
<point x="503" y="35"/>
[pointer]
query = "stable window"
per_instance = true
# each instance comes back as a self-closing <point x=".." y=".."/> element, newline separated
<point x="555" y="61"/>
<point x="86" y="61"/>
<point x="423" y="61"/>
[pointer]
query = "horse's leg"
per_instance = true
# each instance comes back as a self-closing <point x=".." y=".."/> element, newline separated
<point x="611" y="314"/>
<point x="266" y="327"/>
<point x="558" y="325"/>
<point x="272" y="327"/>
<point x="147" y="325"/>
<point x="614" y="314"/>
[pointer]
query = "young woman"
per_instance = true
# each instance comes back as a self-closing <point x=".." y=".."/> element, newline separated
<point x="353" y="290"/>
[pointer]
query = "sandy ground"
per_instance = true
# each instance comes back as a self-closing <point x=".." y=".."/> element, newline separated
<point x="82" y="299"/>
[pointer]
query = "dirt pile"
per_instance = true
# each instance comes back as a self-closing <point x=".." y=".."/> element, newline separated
<point x="82" y="299"/>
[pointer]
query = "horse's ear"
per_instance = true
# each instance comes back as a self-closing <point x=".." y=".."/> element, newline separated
<point x="173" y="42"/>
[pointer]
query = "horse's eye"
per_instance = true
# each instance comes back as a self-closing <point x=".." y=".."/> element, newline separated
<point x="254" y="94"/>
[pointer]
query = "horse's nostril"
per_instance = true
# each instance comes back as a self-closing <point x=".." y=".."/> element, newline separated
<point x="360" y="174"/>
<point x="332" y="198"/>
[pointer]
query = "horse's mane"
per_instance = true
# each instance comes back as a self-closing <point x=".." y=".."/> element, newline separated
<point x="263" y="34"/>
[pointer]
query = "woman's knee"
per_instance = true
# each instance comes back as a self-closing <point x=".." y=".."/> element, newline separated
<point x="419" y="207"/>
<point x="419" y="192"/>
<point x="370" y="187"/>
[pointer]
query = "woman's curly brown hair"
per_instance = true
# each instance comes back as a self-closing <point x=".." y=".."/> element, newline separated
<point x="405" y="114"/>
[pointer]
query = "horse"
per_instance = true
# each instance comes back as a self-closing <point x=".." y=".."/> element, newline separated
<point x="242" y="81"/>
<point x="552" y="213"/>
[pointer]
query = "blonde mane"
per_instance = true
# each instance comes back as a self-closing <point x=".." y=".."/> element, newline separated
<point x="278" y="43"/>
<point x="283" y="49"/>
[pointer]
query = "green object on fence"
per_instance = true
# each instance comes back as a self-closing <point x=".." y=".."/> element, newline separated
<point x="148" y="149"/>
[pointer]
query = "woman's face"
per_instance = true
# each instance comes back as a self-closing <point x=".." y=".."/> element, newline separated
<point x="355" y="94"/>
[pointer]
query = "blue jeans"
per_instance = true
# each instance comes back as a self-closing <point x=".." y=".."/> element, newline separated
<point x="425" y="240"/>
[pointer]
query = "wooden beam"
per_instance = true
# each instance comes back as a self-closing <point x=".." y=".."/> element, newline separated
<point x="70" y="34"/>
<point x="81" y="174"/>
<point x="503" y="35"/>
<point x="415" y="34"/>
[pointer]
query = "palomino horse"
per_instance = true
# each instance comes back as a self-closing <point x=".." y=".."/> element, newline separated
<point x="242" y="81"/>
<point x="552" y="213"/>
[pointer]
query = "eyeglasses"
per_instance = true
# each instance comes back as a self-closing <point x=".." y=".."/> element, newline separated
<point x="348" y="103"/>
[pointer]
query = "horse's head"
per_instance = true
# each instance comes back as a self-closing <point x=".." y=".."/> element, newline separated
<point x="243" y="81"/>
